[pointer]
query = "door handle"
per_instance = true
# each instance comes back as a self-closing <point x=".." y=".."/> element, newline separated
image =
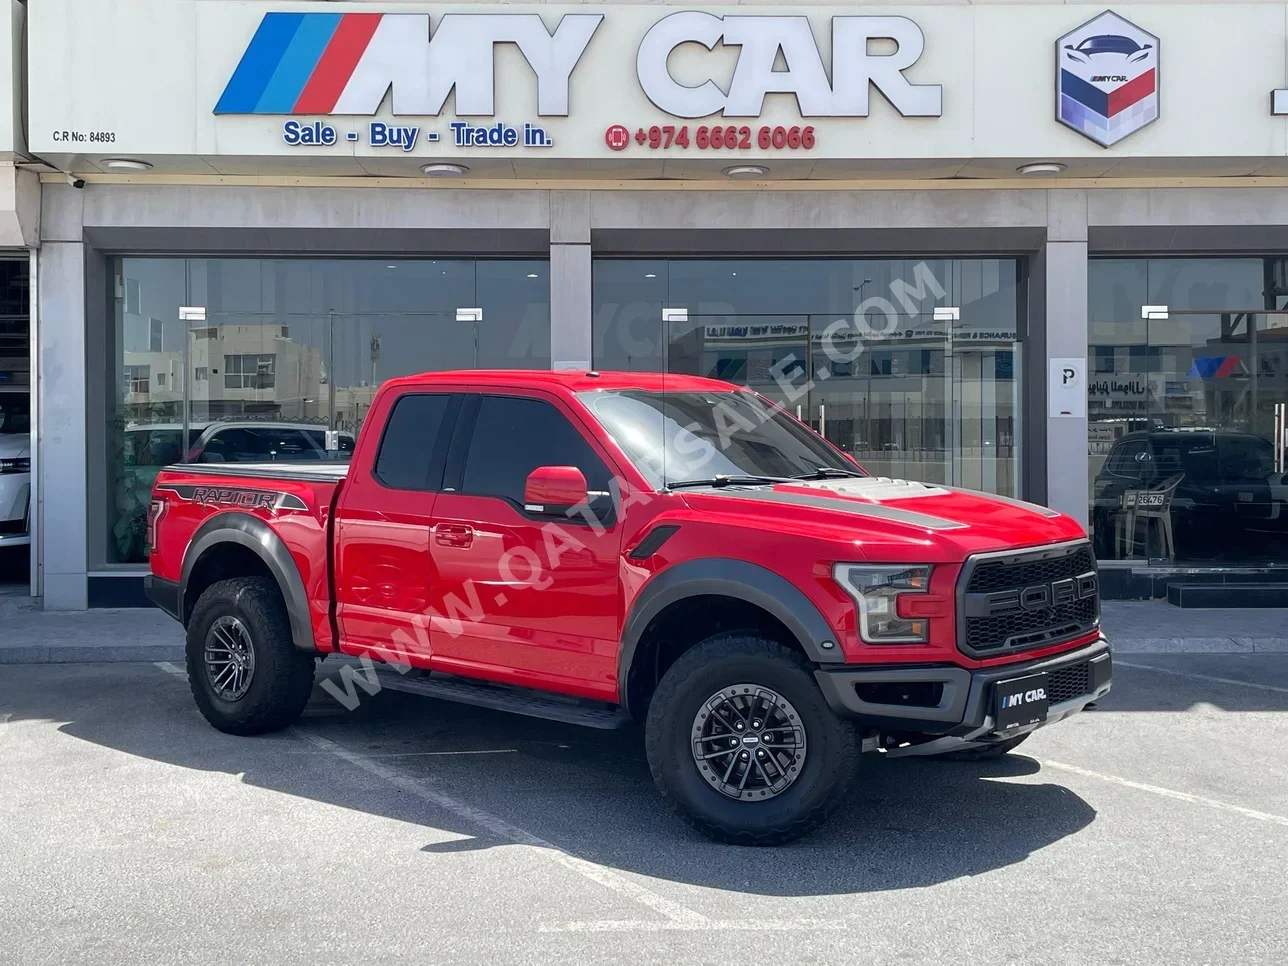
<point x="453" y="535"/>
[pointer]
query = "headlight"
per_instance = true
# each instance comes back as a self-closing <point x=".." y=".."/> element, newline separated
<point x="876" y="591"/>
<point x="21" y="465"/>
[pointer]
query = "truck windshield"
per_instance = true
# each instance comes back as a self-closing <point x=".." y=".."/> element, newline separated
<point x="686" y="437"/>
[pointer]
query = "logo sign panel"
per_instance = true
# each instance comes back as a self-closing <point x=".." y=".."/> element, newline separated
<point x="1107" y="79"/>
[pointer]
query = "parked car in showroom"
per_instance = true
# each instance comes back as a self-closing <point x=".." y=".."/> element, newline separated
<point x="15" y="469"/>
<point x="1190" y="494"/>
<point x="150" y="446"/>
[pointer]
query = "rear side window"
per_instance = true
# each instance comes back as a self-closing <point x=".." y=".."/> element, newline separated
<point x="263" y="445"/>
<point x="407" y="448"/>
<point x="513" y="436"/>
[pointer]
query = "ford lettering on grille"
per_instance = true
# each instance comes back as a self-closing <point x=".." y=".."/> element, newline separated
<point x="1018" y="601"/>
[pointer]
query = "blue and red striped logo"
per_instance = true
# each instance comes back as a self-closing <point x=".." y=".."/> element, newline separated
<point x="1107" y="78"/>
<point x="298" y="63"/>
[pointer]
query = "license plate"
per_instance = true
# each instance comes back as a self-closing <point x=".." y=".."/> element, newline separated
<point x="1021" y="701"/>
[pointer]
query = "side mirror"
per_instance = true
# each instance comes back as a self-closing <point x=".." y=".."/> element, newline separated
<point x="553" y="489"/>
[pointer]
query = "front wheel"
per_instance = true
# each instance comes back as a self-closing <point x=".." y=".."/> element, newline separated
<point x="742" y="744"/>
<point x="245" y="672"/>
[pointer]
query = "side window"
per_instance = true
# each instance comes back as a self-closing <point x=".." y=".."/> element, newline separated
<point x="1246" y="459"/>
<point x="407" y="447"/>
<point x="513" y="436"/>
<point x="1130" y="459"/>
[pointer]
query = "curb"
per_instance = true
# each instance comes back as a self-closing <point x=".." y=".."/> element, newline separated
<point x="1200" y="645"/>
<point x="91" y="653"/>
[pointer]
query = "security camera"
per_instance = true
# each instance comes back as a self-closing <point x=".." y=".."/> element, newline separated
<point x="75" y="182"/>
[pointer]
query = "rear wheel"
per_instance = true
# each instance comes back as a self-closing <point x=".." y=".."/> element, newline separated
<point x="245" y="672"/>
<point x="985" y="752"/>
<point x="742" y="744"/>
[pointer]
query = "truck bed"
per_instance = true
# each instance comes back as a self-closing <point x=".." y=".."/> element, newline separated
<point x="302" y="472"/>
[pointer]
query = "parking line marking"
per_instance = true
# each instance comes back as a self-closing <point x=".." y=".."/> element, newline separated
<point x="675" y="913"/>
<point x="716" y="925"/>
<point x="1167" y="792"/>
<point x="1201" y="677"/>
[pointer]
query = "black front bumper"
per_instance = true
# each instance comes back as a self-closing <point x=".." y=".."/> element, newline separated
<point x="940" y="699"/>
<point x="165" y="594"/>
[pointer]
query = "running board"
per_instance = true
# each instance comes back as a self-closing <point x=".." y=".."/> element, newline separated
<point x="504" y="697"/>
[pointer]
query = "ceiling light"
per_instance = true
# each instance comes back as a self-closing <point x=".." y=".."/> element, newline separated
<point x="1041" y="167"/>
<point x="650" y="275"/>
<point x="745" y="171"/>
<point x="391" y="266"/>
<point x="125" y="164"/>
<point x="532" y="275"/>
<point x="443" y="170"/>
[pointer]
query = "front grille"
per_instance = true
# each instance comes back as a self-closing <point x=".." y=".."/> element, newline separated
<point x="1024" y="600"/>
<point x="998" y="574"/>
<point x="1069" y="682"/>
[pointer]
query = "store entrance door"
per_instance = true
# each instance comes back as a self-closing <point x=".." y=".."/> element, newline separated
<point x="1187" y="442"/>
<point x="928" y="400"/>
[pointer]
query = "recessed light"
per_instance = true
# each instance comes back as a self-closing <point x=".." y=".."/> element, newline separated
<point x="1041" y="167"/>
<point x="745" y="171"/>
<point x="443" y="170"/>
<point x="650" y="275"/>
<point x="734" y="274"/>
<point x="391" y="266"/>
<point x="532" y="275"/>
<point x="125" y="164"/>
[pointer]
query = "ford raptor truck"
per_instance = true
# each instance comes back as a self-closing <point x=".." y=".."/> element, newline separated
<point x="623" y="548"/>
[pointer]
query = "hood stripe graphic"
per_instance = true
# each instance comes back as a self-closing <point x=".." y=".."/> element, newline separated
<point x="909" y="517"/>
<point x="1022" y="504"/>
<point x="298" y="63"/>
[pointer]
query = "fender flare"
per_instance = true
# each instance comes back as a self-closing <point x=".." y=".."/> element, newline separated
<point x="257" y="536"/>
<point x="727" y="577"/>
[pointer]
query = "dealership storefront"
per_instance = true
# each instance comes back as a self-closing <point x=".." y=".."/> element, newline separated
<point x="1008" y="247"/>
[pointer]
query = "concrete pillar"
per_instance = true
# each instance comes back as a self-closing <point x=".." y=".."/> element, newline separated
<point x="62" y="504"/>
<point x="570" y="296"/>
<point x="1065" y="265"/>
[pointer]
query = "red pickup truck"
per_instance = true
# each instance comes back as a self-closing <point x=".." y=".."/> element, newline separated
<point x="612" y="548"/>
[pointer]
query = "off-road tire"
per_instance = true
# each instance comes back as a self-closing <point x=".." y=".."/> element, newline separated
<point x="831" y="753"/>
<point x="283" y="675"/>
<point x="985" y="752"/>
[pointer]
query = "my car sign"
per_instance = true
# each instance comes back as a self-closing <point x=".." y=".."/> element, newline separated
<point x="1107" y="79"/>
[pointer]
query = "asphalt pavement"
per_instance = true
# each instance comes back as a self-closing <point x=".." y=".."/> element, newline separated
<point x="1153" y="831"/>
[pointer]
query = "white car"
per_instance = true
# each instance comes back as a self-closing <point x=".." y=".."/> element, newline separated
<point x="15" y="470"/>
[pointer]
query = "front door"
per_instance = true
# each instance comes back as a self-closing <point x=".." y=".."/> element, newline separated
<point x="520" y="596"/>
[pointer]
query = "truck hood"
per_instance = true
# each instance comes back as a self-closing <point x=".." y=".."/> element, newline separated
<point x="897" y="519"/>
<point x="14" y="445"/>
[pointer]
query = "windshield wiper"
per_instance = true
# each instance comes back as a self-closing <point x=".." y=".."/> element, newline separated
<point x="725" y="479"/>
<point x="827" y="472"/>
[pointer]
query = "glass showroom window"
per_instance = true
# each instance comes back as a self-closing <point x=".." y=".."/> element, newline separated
<point x="907" y="393"/>
<point x="1185" y="465"/>
<point x="289" y="349"/>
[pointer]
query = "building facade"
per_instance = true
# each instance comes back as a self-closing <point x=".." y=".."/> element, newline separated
<point x="1036" y="249"/>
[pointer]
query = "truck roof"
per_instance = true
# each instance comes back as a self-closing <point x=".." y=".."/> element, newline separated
<point x="579" y="380"/>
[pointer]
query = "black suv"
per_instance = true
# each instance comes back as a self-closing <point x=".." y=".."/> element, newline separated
<point x="1201" y="495"/>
